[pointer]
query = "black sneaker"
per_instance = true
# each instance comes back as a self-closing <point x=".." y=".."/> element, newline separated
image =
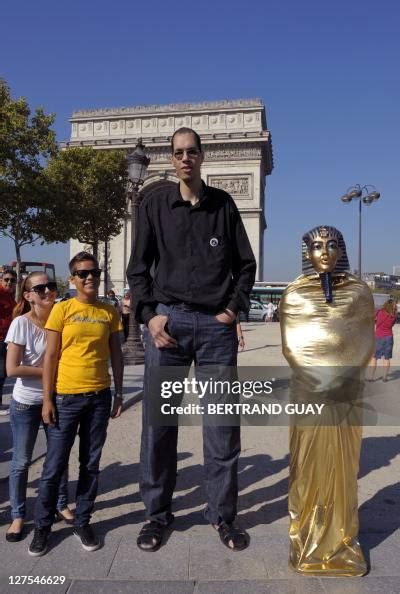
<point x="89" y="540"/>
<point x="38" y="546"/>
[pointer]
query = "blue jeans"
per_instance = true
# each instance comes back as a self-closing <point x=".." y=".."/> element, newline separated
<point x="25" y="421"/>
<point x="91" y="412"/>
<point x="206" y="341"/>
<point x="384" y="347"/>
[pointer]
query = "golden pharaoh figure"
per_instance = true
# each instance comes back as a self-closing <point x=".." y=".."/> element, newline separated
<point x="327" y="325"/>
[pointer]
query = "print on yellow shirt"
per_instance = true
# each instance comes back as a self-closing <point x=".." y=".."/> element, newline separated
<point x="85" y="332"/>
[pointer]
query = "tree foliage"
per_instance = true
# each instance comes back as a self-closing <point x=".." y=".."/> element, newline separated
<point x="90" y="188"/>
<point x="26" y="141"/>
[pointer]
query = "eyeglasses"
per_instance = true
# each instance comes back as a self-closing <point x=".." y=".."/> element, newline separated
<point x="10" y="279"/>
<point x="193" y="153"/>
<point x="82" y="274"/>
<point x="50" y="286"/>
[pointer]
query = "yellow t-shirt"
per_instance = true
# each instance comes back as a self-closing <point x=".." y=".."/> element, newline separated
<point x="85" y="332"/>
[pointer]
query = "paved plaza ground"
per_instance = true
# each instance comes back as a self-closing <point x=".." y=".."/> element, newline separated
<point x="193" y="559"/>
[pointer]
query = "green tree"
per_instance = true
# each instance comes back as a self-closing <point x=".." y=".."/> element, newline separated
<point x="63" y="285"/>
<point x="89" y="187"/>
<point x="26" y="141"/>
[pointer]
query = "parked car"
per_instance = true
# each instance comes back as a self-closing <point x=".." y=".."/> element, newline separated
<point x="257" y="313"/>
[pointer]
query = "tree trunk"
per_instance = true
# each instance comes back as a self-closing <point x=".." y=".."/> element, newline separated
<point x="18" y="269"/>
<point x="105" y="267"/>
<point x="95" y="247"/>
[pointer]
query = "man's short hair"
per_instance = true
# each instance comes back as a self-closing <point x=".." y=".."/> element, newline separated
<point x="82" y="257"/>
<point x="11" y="271"/>
<point x="185" y="130"/>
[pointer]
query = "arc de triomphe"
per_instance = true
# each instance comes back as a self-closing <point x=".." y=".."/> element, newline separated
<point x="238" y="157"/>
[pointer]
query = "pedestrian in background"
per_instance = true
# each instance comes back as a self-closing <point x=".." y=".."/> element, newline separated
<point x="270" y="311"/>
<point x="8" y="281"/>
<point x="385" y="319"/>
<point x="112" y="298"/>
<point x="125" y="312"/>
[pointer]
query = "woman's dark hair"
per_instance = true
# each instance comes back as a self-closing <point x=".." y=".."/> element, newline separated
<point x="82" y="257"/>
<point x="23" y="306"/>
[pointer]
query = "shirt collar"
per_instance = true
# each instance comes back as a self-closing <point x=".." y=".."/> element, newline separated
<point x="177" y="199"/>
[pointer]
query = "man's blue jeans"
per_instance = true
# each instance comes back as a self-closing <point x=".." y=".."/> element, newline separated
<point x="25" y="421"/>
<point x="206" y="341"/>
<point x="91" y="413"/>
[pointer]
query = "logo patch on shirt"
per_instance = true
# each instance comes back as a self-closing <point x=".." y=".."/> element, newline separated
<point x="214" y="242"/>
<point x="86" y="319"/>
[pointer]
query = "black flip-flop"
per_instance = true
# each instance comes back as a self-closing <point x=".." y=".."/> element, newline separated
<point x="229" y="533"/>
<point x="151" y="535"/>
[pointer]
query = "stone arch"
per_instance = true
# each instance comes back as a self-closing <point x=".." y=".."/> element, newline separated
<point x="158" y="181"/>
<point x="238" y="155"/>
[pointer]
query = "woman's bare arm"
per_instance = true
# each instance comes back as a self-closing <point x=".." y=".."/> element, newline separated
<point x="15" y="353"/>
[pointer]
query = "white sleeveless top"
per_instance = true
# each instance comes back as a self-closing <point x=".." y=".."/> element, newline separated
<point x="22" y="331"/>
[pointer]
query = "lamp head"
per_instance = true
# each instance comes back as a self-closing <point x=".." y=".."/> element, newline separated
<point x="346" y="198"/>
<point x="356" y="193"/>
<point x="137" y="164"/>
<point x="369" y="198"/>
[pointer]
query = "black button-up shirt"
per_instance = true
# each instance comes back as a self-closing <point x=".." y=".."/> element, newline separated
<point x="201" y="254"/>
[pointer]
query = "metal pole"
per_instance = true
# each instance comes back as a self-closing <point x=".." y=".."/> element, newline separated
<point x="359" y="238"/>
<point x="133" y="349"/>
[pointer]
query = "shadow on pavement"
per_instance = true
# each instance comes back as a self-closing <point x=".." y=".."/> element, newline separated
<point x="379" y="517"/>
<point x="252" y="469"/>
<point x="264" y="346"/>
<point x="377" y="452"/>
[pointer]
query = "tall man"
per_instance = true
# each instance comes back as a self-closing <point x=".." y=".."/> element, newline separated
<point x="204" y="270"/>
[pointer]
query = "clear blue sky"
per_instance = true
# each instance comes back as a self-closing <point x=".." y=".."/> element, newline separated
<point x="328" y="74"/>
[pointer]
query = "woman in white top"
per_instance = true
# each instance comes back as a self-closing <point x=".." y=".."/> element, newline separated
<point x="26" y="340"/>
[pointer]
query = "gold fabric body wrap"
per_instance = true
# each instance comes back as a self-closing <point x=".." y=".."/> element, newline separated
<point x="326" y="345"/>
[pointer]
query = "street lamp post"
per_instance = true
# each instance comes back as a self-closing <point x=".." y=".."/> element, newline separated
<point x="356" y="193"/>
<point x="137" y="166"/>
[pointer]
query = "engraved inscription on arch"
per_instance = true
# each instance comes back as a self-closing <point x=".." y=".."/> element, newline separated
<point x="238" y="186"/>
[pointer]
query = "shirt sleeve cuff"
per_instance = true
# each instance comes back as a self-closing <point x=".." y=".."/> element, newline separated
<point x="147" y="313"/>
<point x="232" y="306"/>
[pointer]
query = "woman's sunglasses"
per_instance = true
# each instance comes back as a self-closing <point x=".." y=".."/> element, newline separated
<point x="50" y="286"/>
<point x="95" y="272"/>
